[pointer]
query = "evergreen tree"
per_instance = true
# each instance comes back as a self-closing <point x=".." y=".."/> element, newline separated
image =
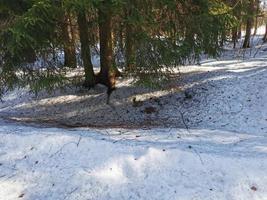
<point x="153" y="35"/>
<point x="250" y="7"/>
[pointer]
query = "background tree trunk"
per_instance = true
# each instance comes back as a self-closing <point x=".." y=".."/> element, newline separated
<point x="129" y="43"/>
<point x="255" y="26"/>
<point x="257" y="11"/>
<point x="69" y="43"/>
<point x="236" y="31"/>
<point x="249" y="24"/>
<point x="105" y="35"/>
<point x="265" y="35"/>
<point x="107" y="71"/>
<point x="234" y="36"/>
<point x="239" y="33"/>
<point x="85" y="50"/>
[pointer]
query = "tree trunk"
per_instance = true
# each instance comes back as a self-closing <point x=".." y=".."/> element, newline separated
<point x="234" y="36"/>
<point x="236" y="31"/>
<point x="265" y="35"/>
<point x="107" y="71"/>
<point x="255" y="26"/>
<point x="246" y="43"/>
<point x="129" y="44"/>
<point x="106" y="49"/>
<point x="68" y="43"/>
<point x="85" y="50"/>
<point x="249" y="24"/>
<point x="239" y="33"/>
<point x="257" y="2"/>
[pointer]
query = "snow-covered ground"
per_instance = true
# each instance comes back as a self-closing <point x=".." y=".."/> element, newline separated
<point x="228" y="94"/>
<point x="211" y="144"/>
<point x="58" y="164"/>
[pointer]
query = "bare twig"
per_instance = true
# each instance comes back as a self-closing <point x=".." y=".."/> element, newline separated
<point x="80" y="138"/>
<point x="71" y="192"/>
<point x="202" y="162"/>
<point x="182" y="116"/>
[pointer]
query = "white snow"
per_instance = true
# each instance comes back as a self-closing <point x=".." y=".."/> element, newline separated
<point x="46" y="163"/>
<point x="221" y="156"/>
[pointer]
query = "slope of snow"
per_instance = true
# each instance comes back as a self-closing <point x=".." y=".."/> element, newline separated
<point x="227" y="94"/>
<point x="214" y="146"/>
<point x="46" y="164"/>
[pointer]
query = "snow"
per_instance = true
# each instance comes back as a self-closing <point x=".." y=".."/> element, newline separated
<point x="211" y="146"/>
<point x="226" y="94"/>
<point x="52" y="163"/>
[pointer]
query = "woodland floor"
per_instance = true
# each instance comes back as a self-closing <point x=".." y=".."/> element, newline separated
<point x="202" y="138"/>
<point x="220" y="94"/>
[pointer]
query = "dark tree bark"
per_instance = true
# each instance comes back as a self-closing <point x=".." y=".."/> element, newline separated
<point x="236" y="31"/>
<point x="249" y="24"/>
<point x="265" y="35"/>
<point x="85" y="50"/>
<point x="107" y="74"/>
<point x="257" y="2"/>
<point x="234" y="36"/>
<point x="255" y="26"/>
<point x="69" y="43"/>
<point x="129" y="43"/>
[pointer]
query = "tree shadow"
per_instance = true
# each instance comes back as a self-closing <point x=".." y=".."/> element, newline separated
<point x="183" y="104"/>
